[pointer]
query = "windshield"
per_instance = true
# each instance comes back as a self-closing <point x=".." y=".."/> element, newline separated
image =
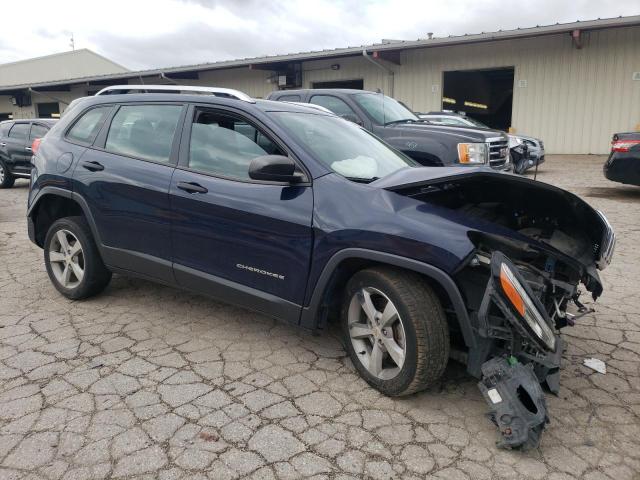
<point x="475" y="122"/>
<point x="384" y="110"/>
<point x="343" y="146"/>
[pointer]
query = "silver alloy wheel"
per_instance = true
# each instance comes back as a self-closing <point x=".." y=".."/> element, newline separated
<point x="1" y="174"/>
<point x="66" y="259"/>
<point x="377" y="333"/>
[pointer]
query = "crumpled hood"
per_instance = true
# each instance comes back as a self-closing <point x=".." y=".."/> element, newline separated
<point x="510" y="206"/>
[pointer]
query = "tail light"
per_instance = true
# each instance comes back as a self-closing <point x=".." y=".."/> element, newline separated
<point x="623" y="145"/>
<point x="35" y="145"/>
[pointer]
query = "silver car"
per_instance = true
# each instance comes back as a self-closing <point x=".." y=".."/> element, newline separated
<point x="526" y="152"/>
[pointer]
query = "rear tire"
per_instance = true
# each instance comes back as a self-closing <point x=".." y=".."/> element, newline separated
<point x="417" y="333"/>
<point x="72" y="259"/>
<point x="6" y="179"/>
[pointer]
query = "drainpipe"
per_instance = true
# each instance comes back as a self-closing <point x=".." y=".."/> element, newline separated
<point x="386" y="69"/>
<point x="162" y="75"/>
<point x="31" y="90"/>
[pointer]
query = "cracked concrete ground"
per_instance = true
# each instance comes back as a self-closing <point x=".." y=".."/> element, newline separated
<point x="146" y="381"/>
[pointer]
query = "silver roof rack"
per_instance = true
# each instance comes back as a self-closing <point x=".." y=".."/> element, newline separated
<point x="220" y="92"/>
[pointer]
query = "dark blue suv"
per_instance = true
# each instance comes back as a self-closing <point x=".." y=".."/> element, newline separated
<point x="303" y="216"/>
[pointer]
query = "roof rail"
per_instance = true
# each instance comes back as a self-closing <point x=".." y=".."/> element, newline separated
<point x="220" y="92"/>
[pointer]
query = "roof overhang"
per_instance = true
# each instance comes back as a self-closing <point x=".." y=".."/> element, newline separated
<point x="388" y="51"/>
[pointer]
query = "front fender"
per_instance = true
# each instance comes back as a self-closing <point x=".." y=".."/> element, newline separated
<point x="310" y="315"/>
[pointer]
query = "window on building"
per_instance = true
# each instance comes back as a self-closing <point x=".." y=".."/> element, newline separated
<point x="144" y="131"/>
<point x="19" y="131"/>
<point x="88" y="125"/>
<point x="225" y="145"/>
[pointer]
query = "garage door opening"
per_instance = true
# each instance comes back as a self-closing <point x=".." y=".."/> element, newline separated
<point x="354" y="84"/>
<point x="48" y="110"/>
<point x="485" y="95"/>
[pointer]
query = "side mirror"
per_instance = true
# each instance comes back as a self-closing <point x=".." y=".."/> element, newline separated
<point x="274" y="168"/>
<point x="351" y="118"/>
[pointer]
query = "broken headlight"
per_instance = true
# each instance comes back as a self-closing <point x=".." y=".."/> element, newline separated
<point x="607" y="245"/>
<point x="521" y="301"/>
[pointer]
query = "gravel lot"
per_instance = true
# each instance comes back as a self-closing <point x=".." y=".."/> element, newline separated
<point x="151" y="382"/>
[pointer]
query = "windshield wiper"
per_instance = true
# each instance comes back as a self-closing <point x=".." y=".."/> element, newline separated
<point x="407" y="120"/>
<point x="362" y="180"/>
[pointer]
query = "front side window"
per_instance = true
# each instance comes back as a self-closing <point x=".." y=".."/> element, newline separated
<point x="144" y="131"/>
<point x="37" y="131"/>
<point x="225" y="145"/>
<point x="19" y="131"/>
<point x="344" y="147"/>
<point x="87" y="126"/>
<point x="336" y="105"/>
<point x="384" y="110"/>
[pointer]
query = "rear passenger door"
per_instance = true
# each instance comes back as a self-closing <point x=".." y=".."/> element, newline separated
<point x="125" y="177"/>
<point x="241" y="240"/>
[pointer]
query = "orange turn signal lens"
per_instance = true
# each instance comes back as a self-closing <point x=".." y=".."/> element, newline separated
<point x="510" y="290"/>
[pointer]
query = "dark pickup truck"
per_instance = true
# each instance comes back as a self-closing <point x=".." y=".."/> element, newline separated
<point x="428" y="144"/>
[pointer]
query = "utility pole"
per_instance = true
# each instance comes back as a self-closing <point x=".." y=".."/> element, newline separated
<point x="72" y="42"/>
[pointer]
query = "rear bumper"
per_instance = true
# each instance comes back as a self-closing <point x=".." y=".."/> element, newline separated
<point x="623" y="168"/>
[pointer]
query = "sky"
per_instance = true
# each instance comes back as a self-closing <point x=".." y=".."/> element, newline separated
<point x="140" y="34"/>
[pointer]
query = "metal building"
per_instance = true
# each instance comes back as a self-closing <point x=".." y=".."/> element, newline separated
<point x="572" y="85"/>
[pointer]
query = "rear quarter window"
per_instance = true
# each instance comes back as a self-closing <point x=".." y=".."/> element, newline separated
<point x="86" y="127"/>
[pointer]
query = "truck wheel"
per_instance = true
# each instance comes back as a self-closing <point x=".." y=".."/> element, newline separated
<point x="6" y="179"/>
<point x="72" y="259"/>
<point x="395" y="330"/>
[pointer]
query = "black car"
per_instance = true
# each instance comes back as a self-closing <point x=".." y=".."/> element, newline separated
<point x="428" y="144"/>
<point x="623" y="164"/>
<point x="305" y="217"/>
<point x="16" y="138"/>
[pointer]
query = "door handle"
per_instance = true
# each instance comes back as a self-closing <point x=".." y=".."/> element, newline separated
<point x="93" y="166"/>
<point x="191" y="187"/>
<point x="28" y="149"/>
<point x="2" y="144"/>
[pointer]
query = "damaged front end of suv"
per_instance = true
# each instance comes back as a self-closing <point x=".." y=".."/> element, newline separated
<point x="533" y="246"/>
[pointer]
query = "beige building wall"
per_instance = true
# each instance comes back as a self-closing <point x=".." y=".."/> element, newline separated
<point x="73" y="64"/>
<point x="574" y="100"/>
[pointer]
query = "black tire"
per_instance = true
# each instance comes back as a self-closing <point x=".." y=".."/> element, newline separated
<point x="425" y="327"/>
<point x="96" y="276"/>
<point x="7" y="180"/>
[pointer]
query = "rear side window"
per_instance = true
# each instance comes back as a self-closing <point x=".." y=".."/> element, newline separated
<point x="88" y="125"/>
<point x="144" y="131"/>
<point x="38" y="131"/>
<point x="336" y="105"/>
<point x="19" y="131"/>
<point x="289" y="98"/>
<point x="224" y="145"/>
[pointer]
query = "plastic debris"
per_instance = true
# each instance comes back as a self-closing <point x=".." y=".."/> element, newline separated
<point x="595" y="364"/>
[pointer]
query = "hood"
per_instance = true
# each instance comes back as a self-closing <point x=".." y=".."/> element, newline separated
<point x="464" y="134"/>
<point x="514" y="208"/>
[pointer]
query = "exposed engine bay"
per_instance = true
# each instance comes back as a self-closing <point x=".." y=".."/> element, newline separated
<point x="534" y="245"/>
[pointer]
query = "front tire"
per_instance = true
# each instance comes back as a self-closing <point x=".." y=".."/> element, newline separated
<point x="72" y="259"/>
<point x="395" y="330"/>
<point x="6" y="179"/>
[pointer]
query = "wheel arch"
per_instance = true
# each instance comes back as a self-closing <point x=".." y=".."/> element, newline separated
<point x="51" y="204"/>
<point x="346" y="262"/>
